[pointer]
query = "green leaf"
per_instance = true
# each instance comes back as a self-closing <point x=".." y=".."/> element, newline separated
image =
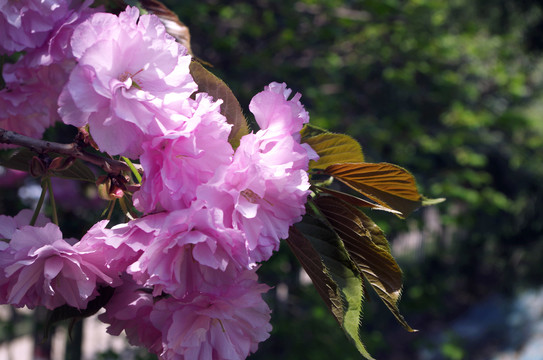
<point x="334" y="149"/>
<point x="17" y="159"/>
<point x="230" y="108"/>
<point x="78" y="171"/>
<point x="20" y="158"/>
<point x="311" y="130"/>
<point x="334" y="275"/>
<point x="368" y="248"/>
<point x="387" y="184"/>
<point x="430" y="202"/>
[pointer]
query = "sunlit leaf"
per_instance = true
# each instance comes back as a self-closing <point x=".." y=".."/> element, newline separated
<point x="387" y="184"/>
<point x="310" y="130"/>
<point x="334" y="149"/>
<point x="230" y="108"/>
<point x="335" y="277"/>
<point x="356" y="201"/>
<point x="368" y="248"/>
<point x="430" y="202"/>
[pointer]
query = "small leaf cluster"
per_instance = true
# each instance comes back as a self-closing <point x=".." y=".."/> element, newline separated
<point x="341" y="248"/>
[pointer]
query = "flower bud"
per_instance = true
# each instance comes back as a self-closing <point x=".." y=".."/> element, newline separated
<point x="37" y="167"/>
<point x="84" y="137"/>
<point x="110" y="188"/>
<point x="104" y="185"/>
<point x="61" y="163"/>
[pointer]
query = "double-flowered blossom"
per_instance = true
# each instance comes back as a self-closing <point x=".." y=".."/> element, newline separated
<point x="39" y="267"/>
<point x="224" y="321"/>
<point x="28" y="103"/>
<point x="129" y="309"/>
<point x="222" y="317"/>
<point x="182" y="159"/>
<point x="190" y="241"/>
<point x="27" y="24"/>
<point x="131" y="78"/>
<point x="184" y="272"/>
<point x="265" y="188"/>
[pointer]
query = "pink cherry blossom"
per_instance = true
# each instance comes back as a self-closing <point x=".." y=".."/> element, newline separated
<point x="227" y="323"/>
<point x="123" y="244"/>
<point x="176" y="163"/>
<point x="129" y="310"/>
<point x="129" y="72"/>
<point x="265" y="188"/>
<point x="273" y="111"/>
<point x="27" y="24"/>
<point x="40" y="268"/>
<point x="189" y="241"/>
<point x="57" y="47"/>
<point x="28" y="104"/>
<point x="9" y="224"/>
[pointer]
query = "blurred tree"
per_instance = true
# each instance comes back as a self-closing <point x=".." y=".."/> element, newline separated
<point x="449" y="90"/>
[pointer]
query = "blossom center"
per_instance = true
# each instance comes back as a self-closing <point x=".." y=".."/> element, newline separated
<point x="216" y="320"/>
<point x="128" y="75"/>
<point x="250" y="196"/>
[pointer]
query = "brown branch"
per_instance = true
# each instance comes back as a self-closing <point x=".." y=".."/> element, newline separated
<point x="43" y="146"/>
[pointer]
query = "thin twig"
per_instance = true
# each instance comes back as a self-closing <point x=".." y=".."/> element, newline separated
<point x="110" y="166"/>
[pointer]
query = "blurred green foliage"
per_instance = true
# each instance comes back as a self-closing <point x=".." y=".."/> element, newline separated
<point x="449" y="90"/>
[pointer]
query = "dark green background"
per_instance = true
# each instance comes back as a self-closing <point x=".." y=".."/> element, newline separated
<point x="450" y="90"/>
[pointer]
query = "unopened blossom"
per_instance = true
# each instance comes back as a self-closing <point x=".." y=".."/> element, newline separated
<point x="129" y="72"/>
<point x="182" y="159"/>
<point x="41" y="268"/>
<point x="226" y="323"/>
<point x="27" y="24"/>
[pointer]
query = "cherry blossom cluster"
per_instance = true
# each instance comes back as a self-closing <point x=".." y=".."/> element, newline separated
<point x="184" y="273"/>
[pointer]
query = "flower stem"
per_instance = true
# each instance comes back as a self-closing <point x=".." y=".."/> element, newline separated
<point x="39" y="204"/>
<point x="52" y="199"/>
<point x="111" y="207"/>
<point x="133" y="168"/>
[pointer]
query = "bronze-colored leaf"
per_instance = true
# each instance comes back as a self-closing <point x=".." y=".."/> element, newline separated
<point x="387" y="184"/>
<point x="356" y="201"/>
<point x="334" y="149"/>
<point x="368" y="248"/>
<point x="230" y="108"/>
<point x="171" y="21"/>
